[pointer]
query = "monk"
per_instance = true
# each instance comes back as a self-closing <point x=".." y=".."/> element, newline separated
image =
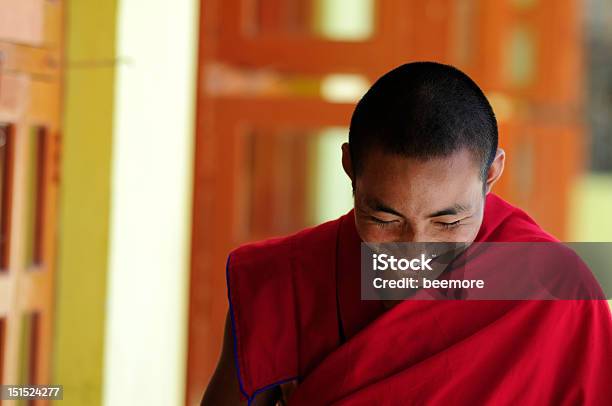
<point x="422" y="157"/>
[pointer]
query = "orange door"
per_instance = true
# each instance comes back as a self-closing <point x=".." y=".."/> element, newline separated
<point x="272" y="85"/>
<point x="261" y="115"/>
<point x="30" y="45"/>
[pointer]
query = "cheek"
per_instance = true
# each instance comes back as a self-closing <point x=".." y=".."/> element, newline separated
<point x="468" y="233"/>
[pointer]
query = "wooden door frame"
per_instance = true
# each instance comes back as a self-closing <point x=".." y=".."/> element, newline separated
<point x="30" y="101"/>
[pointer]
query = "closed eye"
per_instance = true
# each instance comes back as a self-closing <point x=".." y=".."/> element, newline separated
<point x="382" y="223"/>
<point x="447" y="226"/>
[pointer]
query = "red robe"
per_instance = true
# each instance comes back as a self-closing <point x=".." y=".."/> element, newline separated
<point x="296" y="314"/>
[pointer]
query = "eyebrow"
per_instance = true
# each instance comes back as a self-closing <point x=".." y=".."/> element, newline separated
<point x="379" y="206"/>
<point x="450" y="211"/>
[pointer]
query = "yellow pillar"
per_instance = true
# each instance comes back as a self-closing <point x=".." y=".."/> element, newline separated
<point x="84" y="200"/>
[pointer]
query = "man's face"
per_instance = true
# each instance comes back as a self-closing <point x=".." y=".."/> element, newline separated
<point x="401" y="199"/>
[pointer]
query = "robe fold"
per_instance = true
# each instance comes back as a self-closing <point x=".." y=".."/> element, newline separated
<point x="297" y="314"/>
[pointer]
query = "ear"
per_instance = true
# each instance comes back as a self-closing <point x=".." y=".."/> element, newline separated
<point x="347" y="164"/>
<point x="496" y="169"/>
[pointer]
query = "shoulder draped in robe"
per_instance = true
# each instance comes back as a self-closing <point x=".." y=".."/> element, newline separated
<point x="297" y="315"/>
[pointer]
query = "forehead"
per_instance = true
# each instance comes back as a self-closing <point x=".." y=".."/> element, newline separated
<point x="415" y="186"/>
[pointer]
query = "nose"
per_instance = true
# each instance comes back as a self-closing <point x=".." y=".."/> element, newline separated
<point x="412" y="234"/>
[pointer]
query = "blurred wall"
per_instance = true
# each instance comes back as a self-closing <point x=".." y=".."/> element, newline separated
<point x="590" y="214"/>
<point x="144" y="358"/>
